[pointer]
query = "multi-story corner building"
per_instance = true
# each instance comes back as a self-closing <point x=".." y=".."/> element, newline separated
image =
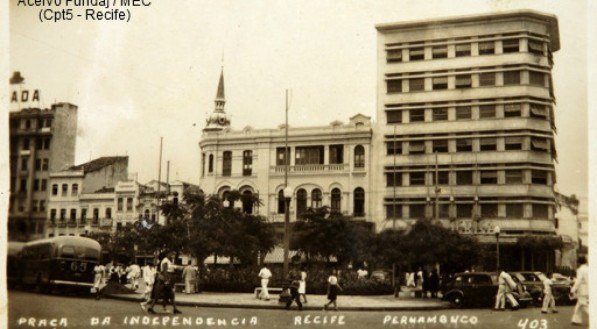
<point x="465" y="121"/>
<point x="81" y="198"/>
<point x="327" y="165"/>
<point x="41" y="141"/>
<point x="97" y="196"/>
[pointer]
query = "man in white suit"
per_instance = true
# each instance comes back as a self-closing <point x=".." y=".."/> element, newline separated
<point x="580" y="290"/>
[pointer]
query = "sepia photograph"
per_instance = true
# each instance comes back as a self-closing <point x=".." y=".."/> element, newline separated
<point x="280" y="164"/>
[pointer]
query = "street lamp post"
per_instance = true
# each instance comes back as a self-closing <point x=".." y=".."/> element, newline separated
<point x="496" y="230"/>
<point x="287" y="196"/>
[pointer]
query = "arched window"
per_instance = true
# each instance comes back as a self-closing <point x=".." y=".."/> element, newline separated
<point x="359" y="156"/>
<point x="281" y="202"/>
<point x="336" y="200"/>
<point x="359" y="202"/>
<point x="227" y="163"/>
<point x="301" y="202"/>
<point x="225" y="197"/>
<point x="211" y="163"/>
<point x="247" y="199"/>
<point x="316" y="198"/>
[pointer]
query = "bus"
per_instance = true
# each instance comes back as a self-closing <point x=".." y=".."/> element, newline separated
<point x="63" y="261"/>
<point x="13" y="263"/>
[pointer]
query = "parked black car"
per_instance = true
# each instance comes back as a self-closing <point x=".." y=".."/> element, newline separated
<point x="533" y="282"/>
<point x="478" y="289"/>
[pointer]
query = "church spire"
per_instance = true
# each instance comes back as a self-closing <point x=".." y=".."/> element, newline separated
<point x="218" y="120"/>
<point x="220" y="93"/>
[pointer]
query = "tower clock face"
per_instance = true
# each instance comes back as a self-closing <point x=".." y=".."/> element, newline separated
<point x="222" y="121"/>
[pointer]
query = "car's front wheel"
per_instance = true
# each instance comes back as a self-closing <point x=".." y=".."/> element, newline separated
<point x="455" y="300"/>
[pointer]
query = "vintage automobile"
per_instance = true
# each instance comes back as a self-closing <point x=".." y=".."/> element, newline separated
<point x="478" y="289"/>
<point x="533" y="282"/>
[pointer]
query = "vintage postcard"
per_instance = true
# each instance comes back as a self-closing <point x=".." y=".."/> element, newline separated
<point x="280" y="164"/>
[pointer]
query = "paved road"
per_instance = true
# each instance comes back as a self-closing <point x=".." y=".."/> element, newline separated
<point x="79" y="312"/>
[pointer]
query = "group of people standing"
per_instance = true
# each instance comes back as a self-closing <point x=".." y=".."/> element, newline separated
<point x="297" y="287"/>
<point x="428" y="282"/>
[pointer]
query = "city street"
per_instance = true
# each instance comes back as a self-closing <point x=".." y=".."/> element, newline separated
<point x="80" y="312"/>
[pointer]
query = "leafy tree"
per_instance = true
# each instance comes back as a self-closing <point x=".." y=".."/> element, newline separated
<point x="320" y="233"/>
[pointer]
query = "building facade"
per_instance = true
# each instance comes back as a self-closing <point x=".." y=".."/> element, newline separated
<point x="567" y="219"/>
<point x="327" y="165"/>
<point x="42" y="140"/>
<point x="97" y="196"/>
<point x="465" y="121"/>
<point x="81" y="198"/>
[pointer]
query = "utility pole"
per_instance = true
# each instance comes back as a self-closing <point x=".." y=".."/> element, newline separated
<point x="436" y="189"/>
<point x="159" y="180"/>
<point x="286" y="197"/>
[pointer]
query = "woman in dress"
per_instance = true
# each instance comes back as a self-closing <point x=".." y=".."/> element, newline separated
<point x="98" y="271"/>
<point x="302" y="290"/>
<point x="333" y="289"/>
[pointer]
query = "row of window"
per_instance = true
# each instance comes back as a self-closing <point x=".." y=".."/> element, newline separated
<point x="41" y="143"/>
<point x="62" y="215"/>
<point x="38" y="205"/>
<point x="485" y="111"/>
<point x="483" y="144"/>
<point x="31" y="123"/>
<point x="304" y="155"/>
<point x="469" y="177"/>
<point x="317" y="202"/>
<point x="467" y="210"/>
<point x="64" y="189"/>
<point x="38" y="185"/>
<point x="42" y="164"/>
<point x="120" y="204"/>
<point x="466" y="81"/>
<point x="418" y="52"/>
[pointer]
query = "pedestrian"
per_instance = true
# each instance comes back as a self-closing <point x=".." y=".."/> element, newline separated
<point x="164" y="285"/>
<point x="410" y="280"/>
<point x="420" y="278"/>
<point x="149" y="273"/>
<point x="434" y="283"/>
<point x="294" y="291"/>
<point x="265" y="274"/>
<point x="425" y="284"/>
<point x="505" y="286"/>
<point x="361" y="273"/>
<point x="549" y="302"/>
<point x="333" y="289"/>
<point x="133" y="275"/>
<point x="99" y="272"/>
<point x="189" y="276"/>
<point x="580" y="291"/>
<point x="303" y="285"/>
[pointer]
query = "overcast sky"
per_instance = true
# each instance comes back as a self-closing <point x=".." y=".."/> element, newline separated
<point x="157" y="75"/>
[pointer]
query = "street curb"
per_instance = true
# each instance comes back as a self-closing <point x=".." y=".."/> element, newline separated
<point x="281" y="306"/>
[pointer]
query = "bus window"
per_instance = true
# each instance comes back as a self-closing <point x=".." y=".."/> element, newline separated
<point x="92" y="254"/>
<point x="67" y="252"/>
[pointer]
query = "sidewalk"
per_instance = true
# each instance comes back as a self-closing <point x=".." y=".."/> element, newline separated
<point x="315" y="302"/>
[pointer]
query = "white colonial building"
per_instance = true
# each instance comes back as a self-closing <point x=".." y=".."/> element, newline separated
<point x="97" y="196"/>
<point x="328" y="165"/>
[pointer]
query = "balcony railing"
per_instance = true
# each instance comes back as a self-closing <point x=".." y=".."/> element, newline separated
<point x="310" y="168"/>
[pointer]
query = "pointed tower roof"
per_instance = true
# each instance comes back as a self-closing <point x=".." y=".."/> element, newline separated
<point x="218" y="120"/>
<point x="220" y="93"/>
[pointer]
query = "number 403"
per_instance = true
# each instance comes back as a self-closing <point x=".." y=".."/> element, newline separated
<point x="532" y="324"/>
